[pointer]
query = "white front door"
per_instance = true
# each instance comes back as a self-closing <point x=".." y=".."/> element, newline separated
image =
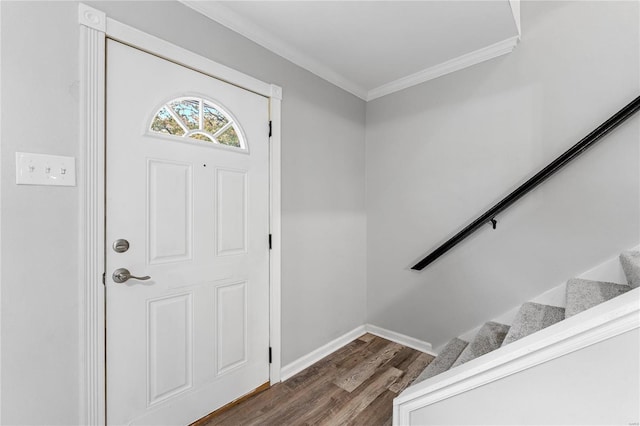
<point x="188" y="189"/>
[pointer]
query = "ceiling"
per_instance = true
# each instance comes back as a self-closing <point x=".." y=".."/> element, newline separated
<point x="373" y="48"/>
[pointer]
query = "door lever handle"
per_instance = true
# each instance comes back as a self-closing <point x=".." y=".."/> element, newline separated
<point x="122" y="275"/>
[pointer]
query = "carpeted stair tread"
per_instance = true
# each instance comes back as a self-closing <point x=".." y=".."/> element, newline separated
<point x="533" y="317"/>
<point x="444" y="360"/>
<point x="489" y="338"/>
<point x="630" y="261"/>
<point x="585" y="294"/>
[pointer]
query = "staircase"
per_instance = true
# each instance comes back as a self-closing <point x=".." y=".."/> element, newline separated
<point x="532" y="317"/>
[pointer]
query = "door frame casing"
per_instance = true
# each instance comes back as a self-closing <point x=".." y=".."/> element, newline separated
<point x="95" y="28"/>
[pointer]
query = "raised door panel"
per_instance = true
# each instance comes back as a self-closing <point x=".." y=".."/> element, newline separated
<point x="169" y="209"/>
<point x="232" y="326"/>
<point x="231" y="212"/>
<point x="169" y="346"/>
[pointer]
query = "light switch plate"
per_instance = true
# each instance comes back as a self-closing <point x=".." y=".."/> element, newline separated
<point x="44" y="169"/>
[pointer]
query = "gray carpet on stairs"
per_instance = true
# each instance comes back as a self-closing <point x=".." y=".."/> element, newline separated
<point x="533" y="317"/>
<point x="444" y="360"/>
<point x="489" y="337"/>
<point x="581" y="295"/>
<point x="585" y="294"/>
<point x="630" y="261"/>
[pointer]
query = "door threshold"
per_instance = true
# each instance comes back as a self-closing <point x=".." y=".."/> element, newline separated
<point x="208" y="417"/>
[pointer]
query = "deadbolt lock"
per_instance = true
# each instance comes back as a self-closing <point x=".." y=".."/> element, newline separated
<point x="120" y="246"/>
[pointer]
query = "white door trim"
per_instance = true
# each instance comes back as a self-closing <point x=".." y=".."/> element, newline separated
<point x="0" y="222"/>
<point x="95" y="27"/>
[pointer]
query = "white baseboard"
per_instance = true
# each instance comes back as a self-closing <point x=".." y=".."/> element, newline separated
<point x="403" y="339"/>
<point x="311" y="358"/>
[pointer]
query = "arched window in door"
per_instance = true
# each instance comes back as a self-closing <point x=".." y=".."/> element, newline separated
<point x="197" y="118"/>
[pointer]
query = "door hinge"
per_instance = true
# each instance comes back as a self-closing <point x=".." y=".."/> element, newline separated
<point x="270" y="246"/>
<point x="270" y="128"/>
<point x="104" y="278"/>
<point x="270" y="358"/>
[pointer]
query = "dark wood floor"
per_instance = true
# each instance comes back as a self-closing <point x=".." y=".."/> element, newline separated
<point x="353" y="386"/>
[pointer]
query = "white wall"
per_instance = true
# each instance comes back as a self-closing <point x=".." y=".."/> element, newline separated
<point x="441" y="153"/>
<point x="40" y="287"/>
<point x="596" y="385"/>
<point x="323" y="222"/>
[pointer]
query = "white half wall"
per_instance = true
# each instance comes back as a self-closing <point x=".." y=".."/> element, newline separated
<point x="599" y="384"/>
<point x="442" y="153"/>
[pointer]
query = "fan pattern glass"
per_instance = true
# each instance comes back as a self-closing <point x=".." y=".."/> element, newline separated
<point x="198" y="119"/>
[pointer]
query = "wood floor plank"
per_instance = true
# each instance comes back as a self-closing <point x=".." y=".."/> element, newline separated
<point x="355" y="406"/>
<point x="299" y="405"/>
<point x="413" y="370"/>
<point x="361" y="372"/>
<point x="205" y="420"/>
<point x="245" y="412"/>
<point x="342" y="398"/>
<point x="404" y="358"/>
<point x="326" y="365"/>
<point x="312" y="396"/>
<point x="315" y="390"/>
<point x="372" y="347"/>
<point x="388" y="422"/>
<point x="338" y="400"/>
<point x="378" y="412"/>
<point x="367" y="337"/>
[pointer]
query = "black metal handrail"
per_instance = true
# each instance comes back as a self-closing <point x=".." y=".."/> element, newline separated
<point x="568" y="156"/>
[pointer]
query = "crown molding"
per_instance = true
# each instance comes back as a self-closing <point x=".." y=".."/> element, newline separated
<point x="228" y="18"/>
<point x="515" y="9"/>
<point x="235" y="22"/>
<point x="455" y="64"/>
